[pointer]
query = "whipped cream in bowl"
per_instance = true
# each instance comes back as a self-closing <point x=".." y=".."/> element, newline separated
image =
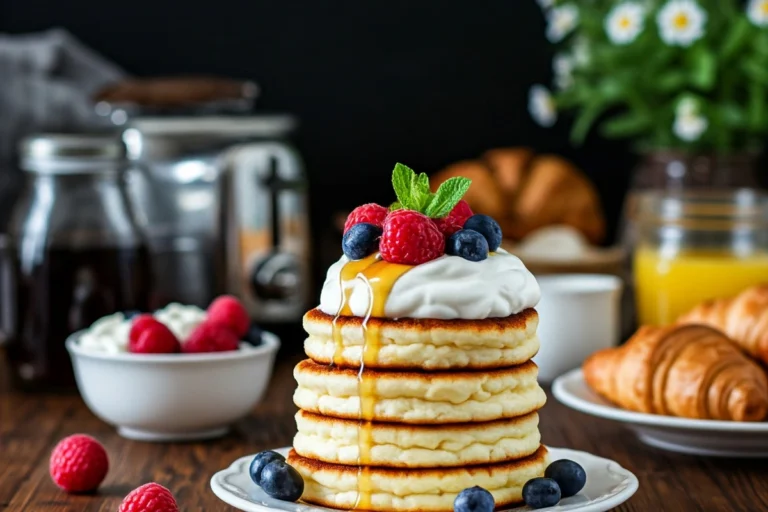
<point x="448" y="287"/>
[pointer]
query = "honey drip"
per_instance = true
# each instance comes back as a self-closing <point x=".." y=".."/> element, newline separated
<point x="380" y="276"/>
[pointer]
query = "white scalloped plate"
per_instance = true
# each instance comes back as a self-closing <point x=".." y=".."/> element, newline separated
<point x="608" y="485"/>
<point x="683" y="435"/>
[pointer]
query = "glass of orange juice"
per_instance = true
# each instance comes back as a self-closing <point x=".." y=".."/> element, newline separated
<point x="695" y="246"/>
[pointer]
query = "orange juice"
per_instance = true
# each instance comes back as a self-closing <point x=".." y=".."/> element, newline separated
<point x="668" y="286"/>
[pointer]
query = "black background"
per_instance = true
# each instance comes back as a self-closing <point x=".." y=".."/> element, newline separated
<point x="373" y="82"/>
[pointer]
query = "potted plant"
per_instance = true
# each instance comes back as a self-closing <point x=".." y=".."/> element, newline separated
<point x="685" y="80"/>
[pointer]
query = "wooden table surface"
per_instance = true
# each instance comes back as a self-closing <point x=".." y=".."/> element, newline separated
<point x="30" y="426"/>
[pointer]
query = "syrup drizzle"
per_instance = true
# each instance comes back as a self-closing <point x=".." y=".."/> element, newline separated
<point x="380" y="276"/>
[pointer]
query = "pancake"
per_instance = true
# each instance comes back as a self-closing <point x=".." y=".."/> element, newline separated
<point x="411" y="446"/>
<point x="418" y="397"/>
<point x="425" y="344"/>
<point x="412" y="490"/>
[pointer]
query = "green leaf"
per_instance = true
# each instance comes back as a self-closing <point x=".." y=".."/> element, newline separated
<point x="395" y="206"/>
<point x="737" y="37"/>
<point x="670" y="81"/>
<point x="704" y="69"/>
<point x="755" y="70"/>
<point x="627" y="125"/>
<point x="402" y="179"/>
<point x="732" y="115"/>
<point x="420" y="193"/>
<point x="447" y="196"/>
<point x="585" y="120"/>
<point x="756" y="105"/>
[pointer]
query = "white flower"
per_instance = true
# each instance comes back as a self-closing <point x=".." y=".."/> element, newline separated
<point x="581" y="55"/>
<point x="689" y="123"/>
<point x="757" y="12"/>
<point x="542" y="106"/>
<point x="545" y="4"/>
<point x="625" y="22"/>
<point x="681" y="22"/>
<point x="561" y="21"/>
<point x="562" y="67"/>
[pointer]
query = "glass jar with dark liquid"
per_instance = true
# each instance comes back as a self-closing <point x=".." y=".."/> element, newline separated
<point x="76" y="254"/>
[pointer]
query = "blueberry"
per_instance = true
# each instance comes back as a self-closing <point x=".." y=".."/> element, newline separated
<point x="360" y="240"/>
<point x="259" y="462"/>
<point x="569" y="475"/>
<point x="487" y="227"/>
<point x="131" y="313"/>
<point x="468" y="244"/>
<point x="254" y="335"/>
<point x="282" y="481"/>
<point x="541" y="492"/>
<point x="474" y="499"/>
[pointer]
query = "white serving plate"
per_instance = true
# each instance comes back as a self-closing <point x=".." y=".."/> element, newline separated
<point x="608" y="485"/>
<point x="683" y="435"/>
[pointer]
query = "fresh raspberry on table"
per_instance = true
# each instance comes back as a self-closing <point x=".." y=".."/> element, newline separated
<point x="153" y="337"/>
<point x="78" y="463"/>
<point x="228" y="310"/>
<point x="370" y="213"/>
<point x="455" y="220"/>
<point x="150" y="497"/>
<point x="410" y="238"/>
<point x="211" y="337"/>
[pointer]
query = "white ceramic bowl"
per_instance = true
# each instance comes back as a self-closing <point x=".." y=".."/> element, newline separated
<point x="578" y="315"/>
<point x="173" y="397"/>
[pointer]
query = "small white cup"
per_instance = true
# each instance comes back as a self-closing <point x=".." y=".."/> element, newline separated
<point x="578" y="315"/>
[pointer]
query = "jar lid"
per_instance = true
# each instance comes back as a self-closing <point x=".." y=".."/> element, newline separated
<point x="67" y="152"/>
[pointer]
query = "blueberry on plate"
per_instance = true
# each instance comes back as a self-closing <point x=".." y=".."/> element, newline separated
<point x="487" y="227"/>
<point x="360" y="240"/>
<point x="259" y="462"/>
<point x="569" y="475"/>
<point x="468" y="244"/>
<point x="541" y="493"/>
<point x="474" y="499"/>
<point x="281" y="481"/>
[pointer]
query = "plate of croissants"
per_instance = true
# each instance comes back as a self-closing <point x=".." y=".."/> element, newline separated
<point x="699" y="386"/>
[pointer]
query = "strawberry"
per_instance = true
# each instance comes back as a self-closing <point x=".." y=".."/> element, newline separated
<point x="229" y="311"/>
<point x="455" y="220"/>
<point x="138" y="323"/>
<point x="154" y="338"/>
<point x="79" y="463"/>
<point x="370" y="213"/>
<point x="410" y="238"/>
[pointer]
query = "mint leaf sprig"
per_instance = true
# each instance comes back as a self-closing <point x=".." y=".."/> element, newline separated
<point x="413" y="192"/>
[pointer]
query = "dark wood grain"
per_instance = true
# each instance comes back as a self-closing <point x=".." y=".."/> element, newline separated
<point x="30" y="426"/>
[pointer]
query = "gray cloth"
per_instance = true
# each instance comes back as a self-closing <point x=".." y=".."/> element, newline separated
<point x="48" y="80"/>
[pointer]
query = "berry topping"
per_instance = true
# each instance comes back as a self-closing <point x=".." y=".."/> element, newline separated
<point x="370" y="213"/>
<point x="410" y="238"/>
<point x="149" y="498"/>
<point x="361" y="240"/>
<point x="569" y="475"/>
<point x="255" y="335"/>
<point x="210" y="337"/>
<point x="260" y="461"/>
<point x="468" y="244"/>
<point x="474" y="499"/>
<point x="153" y="338"/>
<point x="453" y="222"/>
<point x="281" y="481"/>
<point x="229" y="311"/>
<point x="138" y="324"/>
<point x="78" y="463"/>
<point x="487" y="227"/>
<point x="541" y="493"/>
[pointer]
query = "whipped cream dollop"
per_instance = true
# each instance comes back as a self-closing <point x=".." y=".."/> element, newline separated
<point x="445" y="288"/>
<point x="110" y="333"/>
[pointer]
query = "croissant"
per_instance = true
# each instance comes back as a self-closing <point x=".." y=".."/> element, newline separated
<point x="692" y="371"/>
<point x="744" y="318"/>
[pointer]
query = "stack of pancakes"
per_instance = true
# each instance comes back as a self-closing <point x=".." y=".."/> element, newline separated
<point x="439" y="406"/>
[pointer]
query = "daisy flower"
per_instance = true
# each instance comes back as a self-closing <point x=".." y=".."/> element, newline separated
<point x="561" y="21"/>
<point x="681" y="22"/>
<point x="689" y="124"/>
<point x="757" y="12"/>
<point x="562" y="67"/>
<point x="541" y="105"/>
<point x="625" y="22"/>
<point x="545" y="4"/>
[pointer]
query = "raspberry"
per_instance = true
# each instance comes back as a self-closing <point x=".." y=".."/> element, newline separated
<point x="370" y="213"/>
<point x="138" y="324"/>
<point x="154" y="338"/>
<point x="227" y="310"/>
<point x="455" y="220"/>
<point x="211" y="337"/>
<point x="410" y="238"/>
<point x="79" y="463"/>
<point x="149" y="498"/>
